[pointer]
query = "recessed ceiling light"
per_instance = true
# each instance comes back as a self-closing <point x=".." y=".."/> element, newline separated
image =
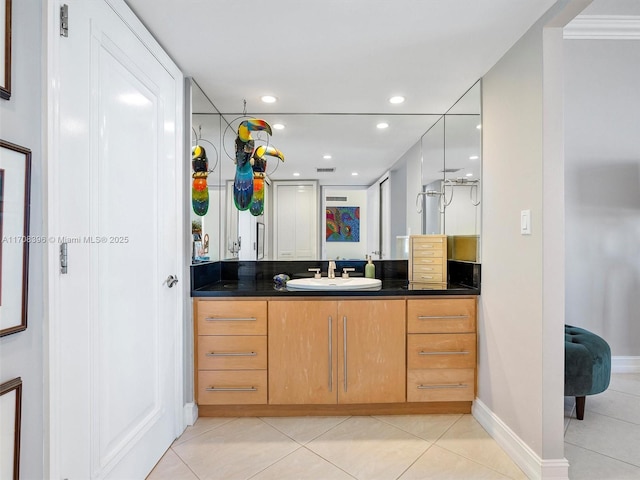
<point x="268" y="99"/>
<point x="469" y="174"/>
<point x="296" y="174"/>
<point x="397" y="99"/>
<point x="479" y="126"/>
<point x="327" y="157"/>
<point x="278" y="126"/>
<point x="355" y="174"/>
<point x="382" y="125"/>
<point x="474" y="157"/>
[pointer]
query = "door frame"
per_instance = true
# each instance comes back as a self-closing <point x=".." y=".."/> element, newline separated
<point x="51" y="267"/>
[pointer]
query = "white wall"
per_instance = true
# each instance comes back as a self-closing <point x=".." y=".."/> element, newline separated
<point x="602" y="184"/>
<point x="521" y="349"/>
<point x="21" y="354"/>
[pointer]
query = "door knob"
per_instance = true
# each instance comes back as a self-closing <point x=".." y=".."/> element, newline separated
<point x="170" y="281"/>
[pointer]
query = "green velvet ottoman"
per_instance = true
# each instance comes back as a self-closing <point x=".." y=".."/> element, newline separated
<point x="587" y="365"/>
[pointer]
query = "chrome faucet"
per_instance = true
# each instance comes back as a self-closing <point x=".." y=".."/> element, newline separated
<point x="331" y="270"/>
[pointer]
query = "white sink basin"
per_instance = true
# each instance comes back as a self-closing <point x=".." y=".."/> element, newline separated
<point x="324" y="283"/>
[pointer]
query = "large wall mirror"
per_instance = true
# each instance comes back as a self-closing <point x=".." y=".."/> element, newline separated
<point x="346" y="189"/>
<point x="451" y="179"/>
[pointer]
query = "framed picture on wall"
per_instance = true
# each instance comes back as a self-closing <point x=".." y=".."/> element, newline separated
<point x="15" y="181"/>
<point x="343" y="224"/>
<point x="10" y="414"/>
<point x="5" y="49"/>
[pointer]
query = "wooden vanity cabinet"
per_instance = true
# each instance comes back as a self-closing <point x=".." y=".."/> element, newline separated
<point x="346" y="352"/>
<point x="231" y="352"/>
<point x="441" y="349"/>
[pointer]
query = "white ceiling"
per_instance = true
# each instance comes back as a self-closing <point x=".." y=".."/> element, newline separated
<point x="338" y="56"/>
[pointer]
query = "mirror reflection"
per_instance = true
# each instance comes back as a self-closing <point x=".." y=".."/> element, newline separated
<point x="346" y="188"/>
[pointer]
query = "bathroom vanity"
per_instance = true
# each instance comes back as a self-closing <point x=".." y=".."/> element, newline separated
<point x="266" y="351"/>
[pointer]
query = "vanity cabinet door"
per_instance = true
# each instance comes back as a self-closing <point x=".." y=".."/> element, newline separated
<point x="302" y="352"/>
<point x="371" y="351"/>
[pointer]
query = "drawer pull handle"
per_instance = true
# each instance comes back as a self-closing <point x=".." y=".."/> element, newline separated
<point x="231" y="354"/>
<point x="431" y="387"/>
<point x="428" y="277"/>
<point x="442" y="317"/>
<point x="330" y="353"/>
<point x="231" y="389"/>
<point x="222" y="319"/>
<point x="442" y="353"/>
<point x="344" y="346"/>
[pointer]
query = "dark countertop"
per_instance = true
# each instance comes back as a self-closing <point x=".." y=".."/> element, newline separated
<point x="390" y="288"/>
<point x="251" y="279"/>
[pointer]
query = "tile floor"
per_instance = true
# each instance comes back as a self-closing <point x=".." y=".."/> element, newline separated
<point x="606" y="444"/>
<point x="335" y="448"/>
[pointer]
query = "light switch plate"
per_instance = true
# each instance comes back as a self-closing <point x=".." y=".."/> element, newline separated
<point x="525" y="222"/>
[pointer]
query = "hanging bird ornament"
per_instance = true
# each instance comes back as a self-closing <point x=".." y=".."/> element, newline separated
<point x="243" y="182"/>
<point x="199" y="190"/>
<point x="259" y="169"/>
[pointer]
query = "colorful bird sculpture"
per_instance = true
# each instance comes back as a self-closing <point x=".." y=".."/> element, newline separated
<point x="259" y="169"/>
<point x="199" y="190"/>
<point x="243" y="182"/>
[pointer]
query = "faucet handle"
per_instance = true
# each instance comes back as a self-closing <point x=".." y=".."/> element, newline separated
<point x="346" y="270"/>
<point x="317" y="274"/>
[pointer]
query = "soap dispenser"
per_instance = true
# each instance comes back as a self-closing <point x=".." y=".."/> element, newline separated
<point x="369" y="268"/>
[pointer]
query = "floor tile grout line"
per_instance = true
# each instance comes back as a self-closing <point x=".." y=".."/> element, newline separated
<point x="277" y="461"/>
<point x="231" y="419"/>
<point x="603" y="454"/>
<point x="623" y="392"/>
<point x="593" y="412"/>
<point x="299" y="443"/>
<point x="184" y="462"/>
<point x="483" y="464"/>
<point x="329" y="461"/>
<point x="414" y="462"/>
<point x="410" y="433"/>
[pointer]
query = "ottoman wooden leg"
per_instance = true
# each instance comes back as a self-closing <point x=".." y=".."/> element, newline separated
<point x="580" y="401"/>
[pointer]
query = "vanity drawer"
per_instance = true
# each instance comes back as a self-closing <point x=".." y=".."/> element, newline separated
<point x="229" y="352"/>
<point x="427" y="252"/>
<point x="441" y="315"/>
<point x="235" y="317"/>
<point x="441" y="350"/>
<point x="427" y="277"/>
<point x="441" y="385"/>
<point x="232" y="387"/>
<point x="430" y="268"/>
<point x="428" y="239"/>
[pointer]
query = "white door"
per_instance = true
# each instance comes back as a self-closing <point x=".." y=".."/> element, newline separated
<point x="114" y="195"/>
<point x="296" y="221"/>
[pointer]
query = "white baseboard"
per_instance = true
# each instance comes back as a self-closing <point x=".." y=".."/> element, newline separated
<point x="625" y="364"/>
<point x="190" y="413"/>
<point x="523" y="456"/>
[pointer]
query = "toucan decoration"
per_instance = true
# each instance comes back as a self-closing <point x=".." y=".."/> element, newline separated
<point x="245" y="145"/>
<point x="259" y="169"/>
<point x="199" y="190"/>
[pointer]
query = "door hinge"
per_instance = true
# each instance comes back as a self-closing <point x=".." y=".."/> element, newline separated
<point x="64" y="20"/>
<point x="63" y="258"/>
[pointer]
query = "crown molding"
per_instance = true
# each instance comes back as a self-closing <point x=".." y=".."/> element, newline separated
<point x="603" y="27"/>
